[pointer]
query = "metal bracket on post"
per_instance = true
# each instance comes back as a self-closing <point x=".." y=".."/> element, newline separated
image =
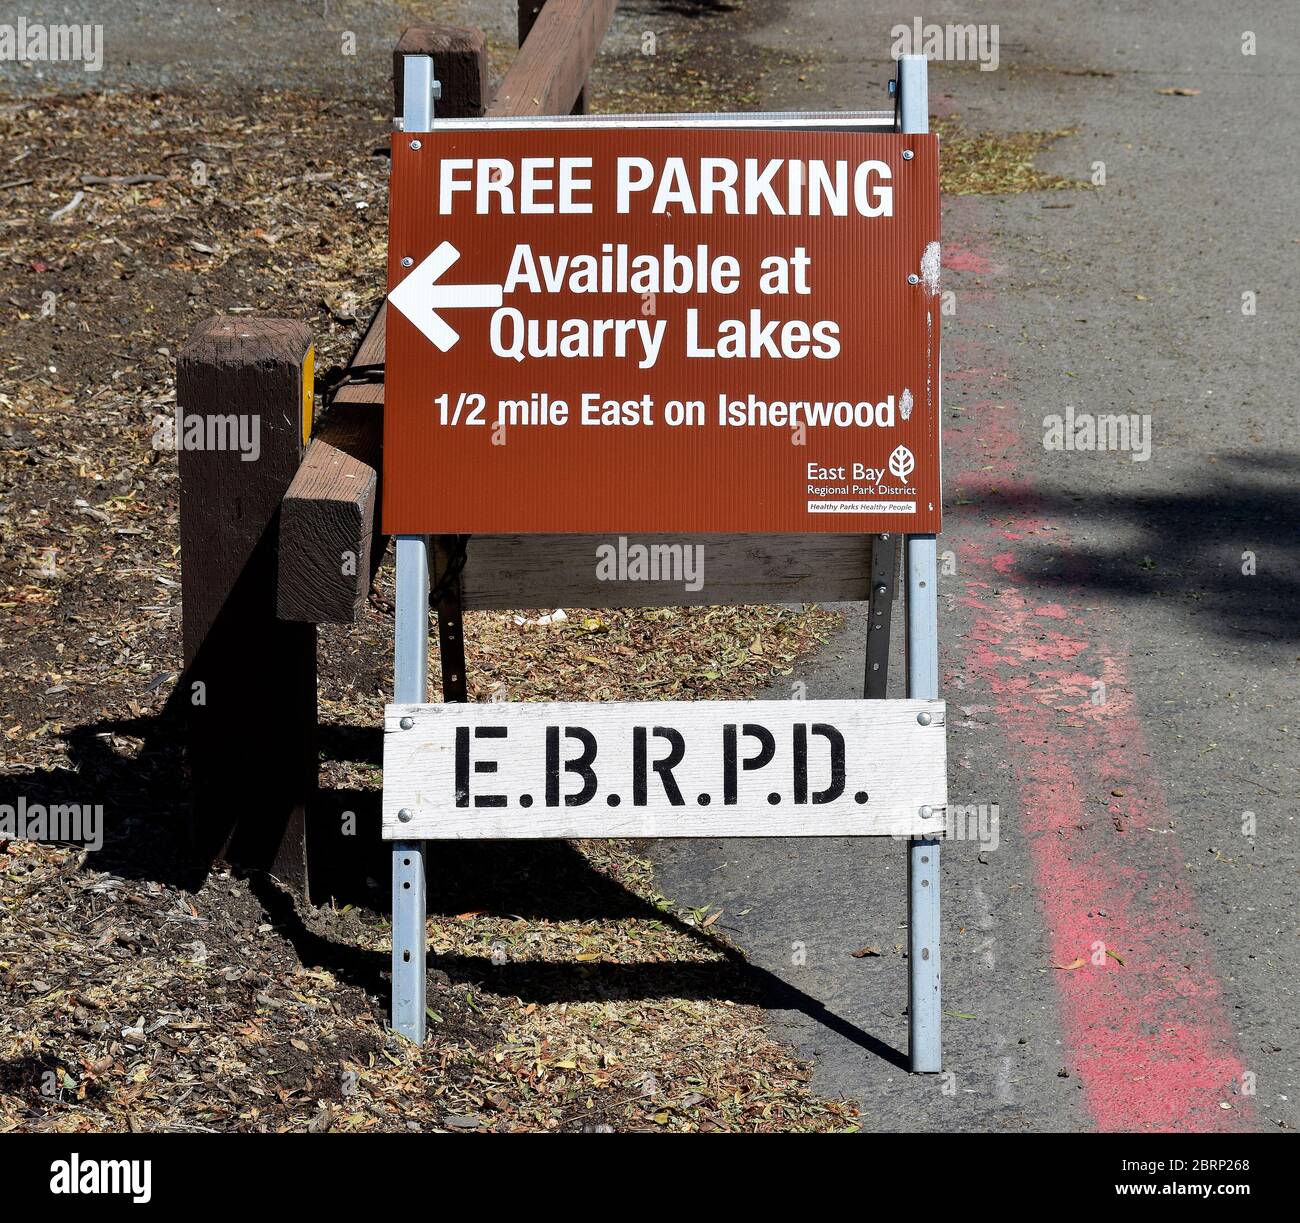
<point x="880" y="610"/>
<point x="420" y="90"/>
<point x="448" y="561"/>
<point x="411" y="675"/>
<point x="924" y="1010"/>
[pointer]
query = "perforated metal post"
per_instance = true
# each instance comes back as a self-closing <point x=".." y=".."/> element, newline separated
<point x="924" y="1010"/>
<point x="411" y="674"/>
<point x="410" y="686"/>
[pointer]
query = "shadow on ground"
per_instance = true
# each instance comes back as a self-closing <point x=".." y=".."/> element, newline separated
<point x="146" y="838"/>
<point x="1194" y="547"/>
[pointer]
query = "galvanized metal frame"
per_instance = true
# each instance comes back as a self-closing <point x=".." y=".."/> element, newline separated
<point x="410" y="683"/>
<point x="411" y="647"/>
<point x="837" y="120"/>
<point x="924" y="1009"/>
<point x="411" y="675"/>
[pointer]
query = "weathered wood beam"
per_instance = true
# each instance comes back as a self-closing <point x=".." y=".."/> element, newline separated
<point x="328" y="545"/>
<point x="528" y="13"/>
<point x="551" y="69"/>
<point x="460" y="64"/>
<point x="249" y="685"/>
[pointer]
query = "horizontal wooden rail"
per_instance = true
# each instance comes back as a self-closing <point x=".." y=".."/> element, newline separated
<point x="329" y="542"/>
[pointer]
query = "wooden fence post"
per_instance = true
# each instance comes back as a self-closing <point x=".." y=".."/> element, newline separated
<point x="460" y="62"/>
<point x="244" y="394"/>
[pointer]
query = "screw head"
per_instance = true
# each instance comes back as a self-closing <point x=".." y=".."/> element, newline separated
<point x="913" y="279"/>
<point x="924" y="719"/>
<point x="407" y="261"/>
<point x="908" y="154"/>
<point x="415" y="144"/>
<point x="405" y="815"/>
<point x="925" y="813"/>
<point x="406" y="723"/>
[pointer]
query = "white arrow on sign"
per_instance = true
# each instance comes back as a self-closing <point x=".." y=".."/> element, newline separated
<point x="420" y="299"/>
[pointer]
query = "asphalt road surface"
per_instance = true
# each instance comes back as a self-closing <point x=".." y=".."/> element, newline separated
<point x="1118" y="635"/>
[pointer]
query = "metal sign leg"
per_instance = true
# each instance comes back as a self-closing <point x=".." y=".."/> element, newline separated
<point x="410" y="686"/>
<point x="411" y="670"/>
<point x="924" y="1009"/>
<point x="925" y="1046"/>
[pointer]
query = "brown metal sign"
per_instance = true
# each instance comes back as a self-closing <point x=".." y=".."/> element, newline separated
<point x="670" y="329"/>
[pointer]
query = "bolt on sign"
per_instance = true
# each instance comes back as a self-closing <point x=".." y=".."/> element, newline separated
<point x="662" y="329"/>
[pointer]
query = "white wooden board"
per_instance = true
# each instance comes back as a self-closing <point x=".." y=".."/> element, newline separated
<point x="665" y="769"/>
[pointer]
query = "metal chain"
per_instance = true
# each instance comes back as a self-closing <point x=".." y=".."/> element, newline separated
<point x="334" y="379"/>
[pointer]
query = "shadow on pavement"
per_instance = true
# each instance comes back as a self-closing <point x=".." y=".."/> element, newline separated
<point x="1193" y="547"/>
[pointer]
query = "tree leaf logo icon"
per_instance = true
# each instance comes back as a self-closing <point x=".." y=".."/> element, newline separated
<point x="901" y="462"/>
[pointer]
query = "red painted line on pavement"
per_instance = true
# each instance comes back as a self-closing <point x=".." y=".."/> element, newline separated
<point x="963" y="259"/>
<point x="1149" y="1038"/>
